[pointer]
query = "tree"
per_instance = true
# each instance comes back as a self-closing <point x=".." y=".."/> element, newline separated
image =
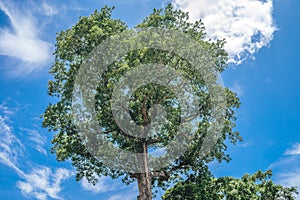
<point x="204" y="186"/>
<point x="75" y="45"/>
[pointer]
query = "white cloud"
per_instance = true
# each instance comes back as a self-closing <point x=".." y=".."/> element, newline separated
<point x="41" y="182"/>
<point x="104" y="184"/>
<point x="287" y="169"/>
<point x="107" y="185"/>
<point x="247" y="25"/>
<point x="130" y="195"/>
<point x="10" y="146"/>
<point x="5" y="109"/>
<point x="101" y="186"/>
<point x="22" y="41"/>
<point x="245" y="144"/>
<point x="123" y="196"/>
<point x="295" y="150"/>
<point x="37" y="140"/>
<point x="289" y="177"/>
<point x="48" y="10"/>
<point x="237" y="88"/>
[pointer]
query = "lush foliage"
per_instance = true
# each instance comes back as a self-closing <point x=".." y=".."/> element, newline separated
<point x="257" y="187"/>
<point x="73" y="46"/>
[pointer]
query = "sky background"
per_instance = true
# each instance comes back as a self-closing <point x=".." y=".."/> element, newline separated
<point x="263" y="45"/>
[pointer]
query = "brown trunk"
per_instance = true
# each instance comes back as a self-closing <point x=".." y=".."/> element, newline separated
<point x="144" y="178"/>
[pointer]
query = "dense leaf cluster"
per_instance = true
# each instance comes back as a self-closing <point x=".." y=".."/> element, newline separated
<point x="74" y="45"/>
<point x="204" y="186"/>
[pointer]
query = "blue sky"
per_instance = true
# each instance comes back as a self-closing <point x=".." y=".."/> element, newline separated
<point x="264" y="71"/>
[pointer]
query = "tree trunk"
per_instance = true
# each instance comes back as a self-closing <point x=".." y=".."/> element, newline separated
<point x="144" y="179"/>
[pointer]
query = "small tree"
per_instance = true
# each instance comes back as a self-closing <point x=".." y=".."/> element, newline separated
<point x="74" y="45"/>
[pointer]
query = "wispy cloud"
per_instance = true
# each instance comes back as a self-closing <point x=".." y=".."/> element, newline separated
<point x="10" y="146"/>
<point x="39" y="182"/>
<point x="295" y="150"/>
<point x="237" y="88"/>
<point x="245" y="144"/>
<point x="247" y="25"/>
<point x="37" y="141"/>
<point x="287" y="168"/>
<point x="5" y="109"/>
<point x="101" y="186"/>
<point x="48" y="10"/>
<point x="21" y="39"/>
<point x="107" y="186"/>
<point x="131" y="194"/>
<point x="290" y="179"/>
<point x="289" y="176"/>
<point x="42" y="182"/>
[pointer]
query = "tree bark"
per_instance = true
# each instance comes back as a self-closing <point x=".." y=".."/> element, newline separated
<point x="144" y="178"/>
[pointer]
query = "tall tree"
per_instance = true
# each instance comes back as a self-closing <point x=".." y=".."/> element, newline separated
<point x="74" y="45"/>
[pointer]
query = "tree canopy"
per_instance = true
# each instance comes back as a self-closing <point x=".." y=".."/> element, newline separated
<point x="74" y="47"/>
<point x="203" y="185"/>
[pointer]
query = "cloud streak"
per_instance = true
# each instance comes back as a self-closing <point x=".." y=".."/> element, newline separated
<point x="48" y="10"/>
<point x="8" y="155"/>
<point x="21" y="39"/>
<point x="295" y="150"/>
<point x="287" y="168"/>
<point x="247" y="25"/>
<point x="289" y="176"/>
<point x="41" y="182"/>
<point x="131" y="194"/>
<point x="37" y="141"/>
<point x="101" y="186"/>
